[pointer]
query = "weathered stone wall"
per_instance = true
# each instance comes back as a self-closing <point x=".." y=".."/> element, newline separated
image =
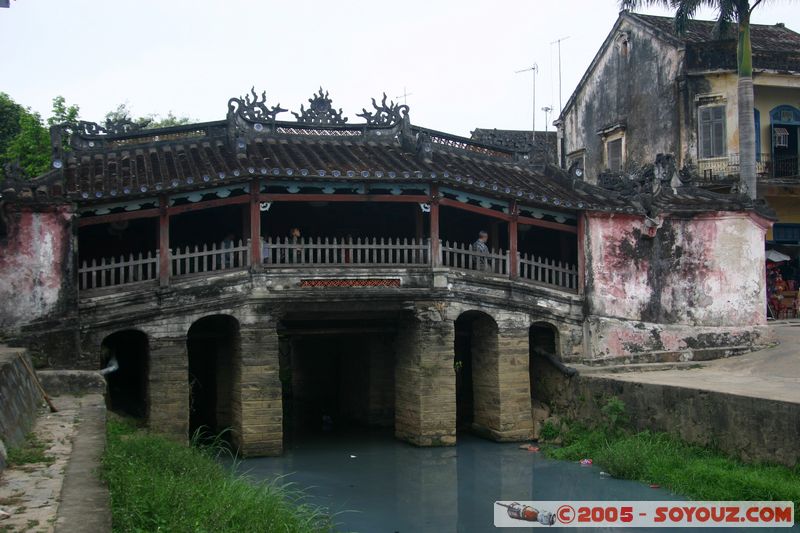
<point x="752" y="429"/>
<point x="19" y="399"/>
<point x="36" y="266"/>
<point x="698" y="283"/>
<point x="633" y="84"/>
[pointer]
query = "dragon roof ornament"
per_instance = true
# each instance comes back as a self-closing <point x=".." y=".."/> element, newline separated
<point x="255" y="109"/>
<point x="385" y="115"/>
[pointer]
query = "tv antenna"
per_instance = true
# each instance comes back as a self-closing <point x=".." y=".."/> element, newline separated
<point x="558" y="42"/>
<point x="547" y="109"/>
<point x="404" y="96"/>
<point x="533" y="69"/>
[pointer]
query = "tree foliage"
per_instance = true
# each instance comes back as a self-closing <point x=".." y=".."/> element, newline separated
<point x="30" y="148"/>
<point x="62" y="113"/>
<point x="25" y="139"/>
<point x="122" y="114"/>
<point x="10" y="113"/>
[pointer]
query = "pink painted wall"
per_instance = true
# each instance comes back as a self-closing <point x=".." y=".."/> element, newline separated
<point x="703" y="271"/>
<point x="34" y="265"/>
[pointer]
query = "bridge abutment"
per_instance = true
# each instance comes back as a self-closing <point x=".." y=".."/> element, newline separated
<point x="258" y="403"/>
<point x="425" y="387"/>
<point x="168" y="387"/>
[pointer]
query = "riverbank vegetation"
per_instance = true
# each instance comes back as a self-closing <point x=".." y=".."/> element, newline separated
<point x="160" y="485"/>
<point x="662" y="459"/>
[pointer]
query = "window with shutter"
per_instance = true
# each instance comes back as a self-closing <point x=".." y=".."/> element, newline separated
<point x="614" y="155"/>
<point x="711" y="131"/>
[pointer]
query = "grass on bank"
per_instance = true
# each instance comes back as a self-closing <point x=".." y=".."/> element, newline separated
<point x="30" y="451"/>
<point x="159" y="485"/>
<point x="659" y="458"/>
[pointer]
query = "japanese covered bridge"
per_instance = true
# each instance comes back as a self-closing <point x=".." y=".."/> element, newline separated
<point x="250" y="271"/>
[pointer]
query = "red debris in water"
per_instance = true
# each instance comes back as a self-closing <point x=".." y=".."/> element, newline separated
<point x="586" y="462"/>
<point x="655" y="486"/>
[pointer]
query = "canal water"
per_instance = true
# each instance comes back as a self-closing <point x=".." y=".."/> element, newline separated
<point x="375" y="483"/>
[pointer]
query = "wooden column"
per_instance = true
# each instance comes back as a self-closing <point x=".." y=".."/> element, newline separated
<point x="581" y="252"/>
<point x="255" y="225"/>
<point x="163" y="242"/>
<point x="513" y="247"/>
<point x="435" y="243"/>
<point x="419" y="224"/>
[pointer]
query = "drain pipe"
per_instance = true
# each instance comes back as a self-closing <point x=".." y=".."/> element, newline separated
<point x="112" y="366"/>
<point x="556" y="362"/>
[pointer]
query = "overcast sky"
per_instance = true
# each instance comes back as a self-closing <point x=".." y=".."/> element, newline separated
<point x="456" y="58"/>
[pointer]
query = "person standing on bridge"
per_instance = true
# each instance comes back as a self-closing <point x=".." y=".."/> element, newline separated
<point x="294" y="248"/>
<point x="481" y="261"/>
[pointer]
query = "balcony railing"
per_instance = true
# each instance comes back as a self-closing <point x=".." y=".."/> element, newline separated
<point x="548" y="272"/>
<point x="227" y="255"/>
<point x="727" y="167"/>
<point x="118" y="271"/>
<point x="288" y="252"/>
<point x="465" y="257"/>
<point x="320" y="253"/>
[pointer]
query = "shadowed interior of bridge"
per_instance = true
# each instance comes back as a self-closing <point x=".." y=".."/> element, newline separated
<point x="336" y="375"/>
<point x="213" y="346"/>
<point x="127" y="386"/>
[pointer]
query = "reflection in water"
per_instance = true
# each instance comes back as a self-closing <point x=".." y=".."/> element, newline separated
<point x="390" y="486"/>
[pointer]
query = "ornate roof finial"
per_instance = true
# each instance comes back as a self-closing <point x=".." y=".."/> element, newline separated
<point x="254" y="109"/>
<point x="384" y="115"/>
<point x="320" y="111"/>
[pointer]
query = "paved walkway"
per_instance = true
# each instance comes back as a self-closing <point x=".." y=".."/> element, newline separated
<point x="85" y="504"/>
<point x="67" y="495"/>
<point x="773" y="373"/>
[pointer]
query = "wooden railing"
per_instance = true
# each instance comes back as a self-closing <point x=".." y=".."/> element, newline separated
<point x="465" y="257"/>
<point x="548" y="272"/>
<point x="287" y="252"/>
<point x="227" y="255"/>
<point x="325" y="252"/>
<point x="114" y="271"/>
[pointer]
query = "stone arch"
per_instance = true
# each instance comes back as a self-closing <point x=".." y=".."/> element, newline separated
<point x="544" y="338"/>
<point x="127" y="386"/>
<point x="544" y="347"/>
<point x="213" y="346"/>
<point x="476" y="365"/>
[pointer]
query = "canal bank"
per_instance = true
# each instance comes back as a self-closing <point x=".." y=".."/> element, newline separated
<point x="746" y="406"/>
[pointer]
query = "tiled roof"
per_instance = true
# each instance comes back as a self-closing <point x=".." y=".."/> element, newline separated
<point x="520" y="141"/>
<point x="101" y="165"/>
<point x="764" y="37"/>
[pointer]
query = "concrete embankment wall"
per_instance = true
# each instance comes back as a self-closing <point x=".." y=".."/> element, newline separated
<point x="19" y="399"/>
<point x="751" y="429"/>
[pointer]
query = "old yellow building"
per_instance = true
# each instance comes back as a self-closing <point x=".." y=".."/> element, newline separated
<point x="650" y="91"/>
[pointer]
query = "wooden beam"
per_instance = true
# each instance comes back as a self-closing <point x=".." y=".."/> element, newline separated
<point x="390" y="198"/>
<point x="163" y="242"/>
<point x="117" y="217"/>
<point x="219" y="202"/>
<point x="449" y="202"/>
<point x="547" y="224"/>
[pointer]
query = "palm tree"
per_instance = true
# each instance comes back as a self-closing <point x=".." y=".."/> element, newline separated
<point x="729" y="11"/>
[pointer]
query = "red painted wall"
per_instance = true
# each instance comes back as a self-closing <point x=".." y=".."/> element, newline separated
<point x="35" y="265"/>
